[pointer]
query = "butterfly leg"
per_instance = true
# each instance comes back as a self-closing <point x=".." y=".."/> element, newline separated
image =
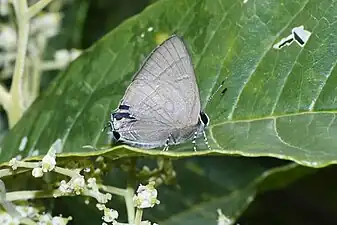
<point x="206" y="140"/>
<point x="166" y="147"/>
<point x="194" y="142"/>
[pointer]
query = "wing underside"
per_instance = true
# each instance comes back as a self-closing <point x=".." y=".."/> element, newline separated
<point x="162" y="97"/>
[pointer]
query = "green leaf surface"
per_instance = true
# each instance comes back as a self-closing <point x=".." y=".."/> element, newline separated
<point x="279" y="103"/>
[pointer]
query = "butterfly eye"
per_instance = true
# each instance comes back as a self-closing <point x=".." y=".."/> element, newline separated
<point x="116" y="135"/>
<point x="204" y="118"/>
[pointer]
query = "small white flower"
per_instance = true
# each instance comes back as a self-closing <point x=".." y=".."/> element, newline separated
<point x="48" y="162"/>
<point x="63" y="57"/>
<point x="78" y="184"/>
<point x="6" y="219"/>
<point x="74" y="53"/>
<point x="75" y="185"/>
<point x="146" y="196"/>
<point x="37" y="172"/>
<point x="14" y="163"/>
<point x="57" y="220"/>
<point x="222" y="219"/>
<point x="27" y="211"/>
<point x="110" y="215"/>
<point x="92" y="183"/>
<point x="64" y="187"/>
<point x="103" y="198"/>
<point x="100" y="206"/>
<point x="46" y="24"/>
<point x="8" y="38"/>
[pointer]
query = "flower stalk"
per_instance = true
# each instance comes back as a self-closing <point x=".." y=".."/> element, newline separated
<point x="15" y="109"/>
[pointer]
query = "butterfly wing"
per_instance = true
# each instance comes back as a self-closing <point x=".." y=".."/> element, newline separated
<point x="163" y="95"/>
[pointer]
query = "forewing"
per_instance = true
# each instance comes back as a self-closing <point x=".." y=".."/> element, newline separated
<point x="165" y="88"/>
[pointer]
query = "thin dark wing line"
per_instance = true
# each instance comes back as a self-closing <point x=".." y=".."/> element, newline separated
<point x="196" y="96"/>
<point x="145" y="102"/>
<point x="150" y="56"/>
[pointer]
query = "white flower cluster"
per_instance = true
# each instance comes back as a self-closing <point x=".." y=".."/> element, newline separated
<point x="48" y="162"/>
<point x="33" y="214"/>
<point x="146" y="196"/>
<point x="14" y="163"/>
<point x="75" y="185"/>
<point x="46" y="25"/>
<point x="100" y="197"/>
<point x="63" y="56"/>
<point x="47" y="219"/>
<point x="43" y="26"/>
<point x="8" y="38"/>
<point x="222" y="219"/>
<point x="110" y="215"/>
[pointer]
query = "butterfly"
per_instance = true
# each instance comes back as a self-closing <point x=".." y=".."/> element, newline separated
<point x="161" y="106"/>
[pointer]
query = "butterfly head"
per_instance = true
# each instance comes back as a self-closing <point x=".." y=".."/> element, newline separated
<point x="112" y="131"/>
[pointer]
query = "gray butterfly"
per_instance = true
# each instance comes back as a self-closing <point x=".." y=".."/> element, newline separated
<point x="161" y="106"/>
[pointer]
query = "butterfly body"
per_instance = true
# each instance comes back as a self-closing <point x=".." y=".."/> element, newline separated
<point x="161" y="106"/>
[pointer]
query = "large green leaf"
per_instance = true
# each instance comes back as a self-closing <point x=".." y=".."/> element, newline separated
<point x="279" y="103"/>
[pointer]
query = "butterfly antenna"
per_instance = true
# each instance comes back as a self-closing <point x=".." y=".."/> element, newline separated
<point x="222" y="92"/>
<point x="108" y="125"/>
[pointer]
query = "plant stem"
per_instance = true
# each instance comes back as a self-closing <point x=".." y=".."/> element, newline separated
<point x="65" y="171"/>
<point x="129" y="192"/>
<point x="139" y="214"/>
<point x="113" y="190"/>
<point x="16" y="109"/>
<point x="37" y="7"/>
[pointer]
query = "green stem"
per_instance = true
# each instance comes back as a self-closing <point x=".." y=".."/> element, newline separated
<point x="112" y="190"/>
<point x="37" y="7"/>
<point x="139" y="214"/>
<point x="36" y="74"/>
<point x="16" y="109"/>
<point x="26" y="195"/>
<point x="65" y="171"/>
<point x="129" y="204"/>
